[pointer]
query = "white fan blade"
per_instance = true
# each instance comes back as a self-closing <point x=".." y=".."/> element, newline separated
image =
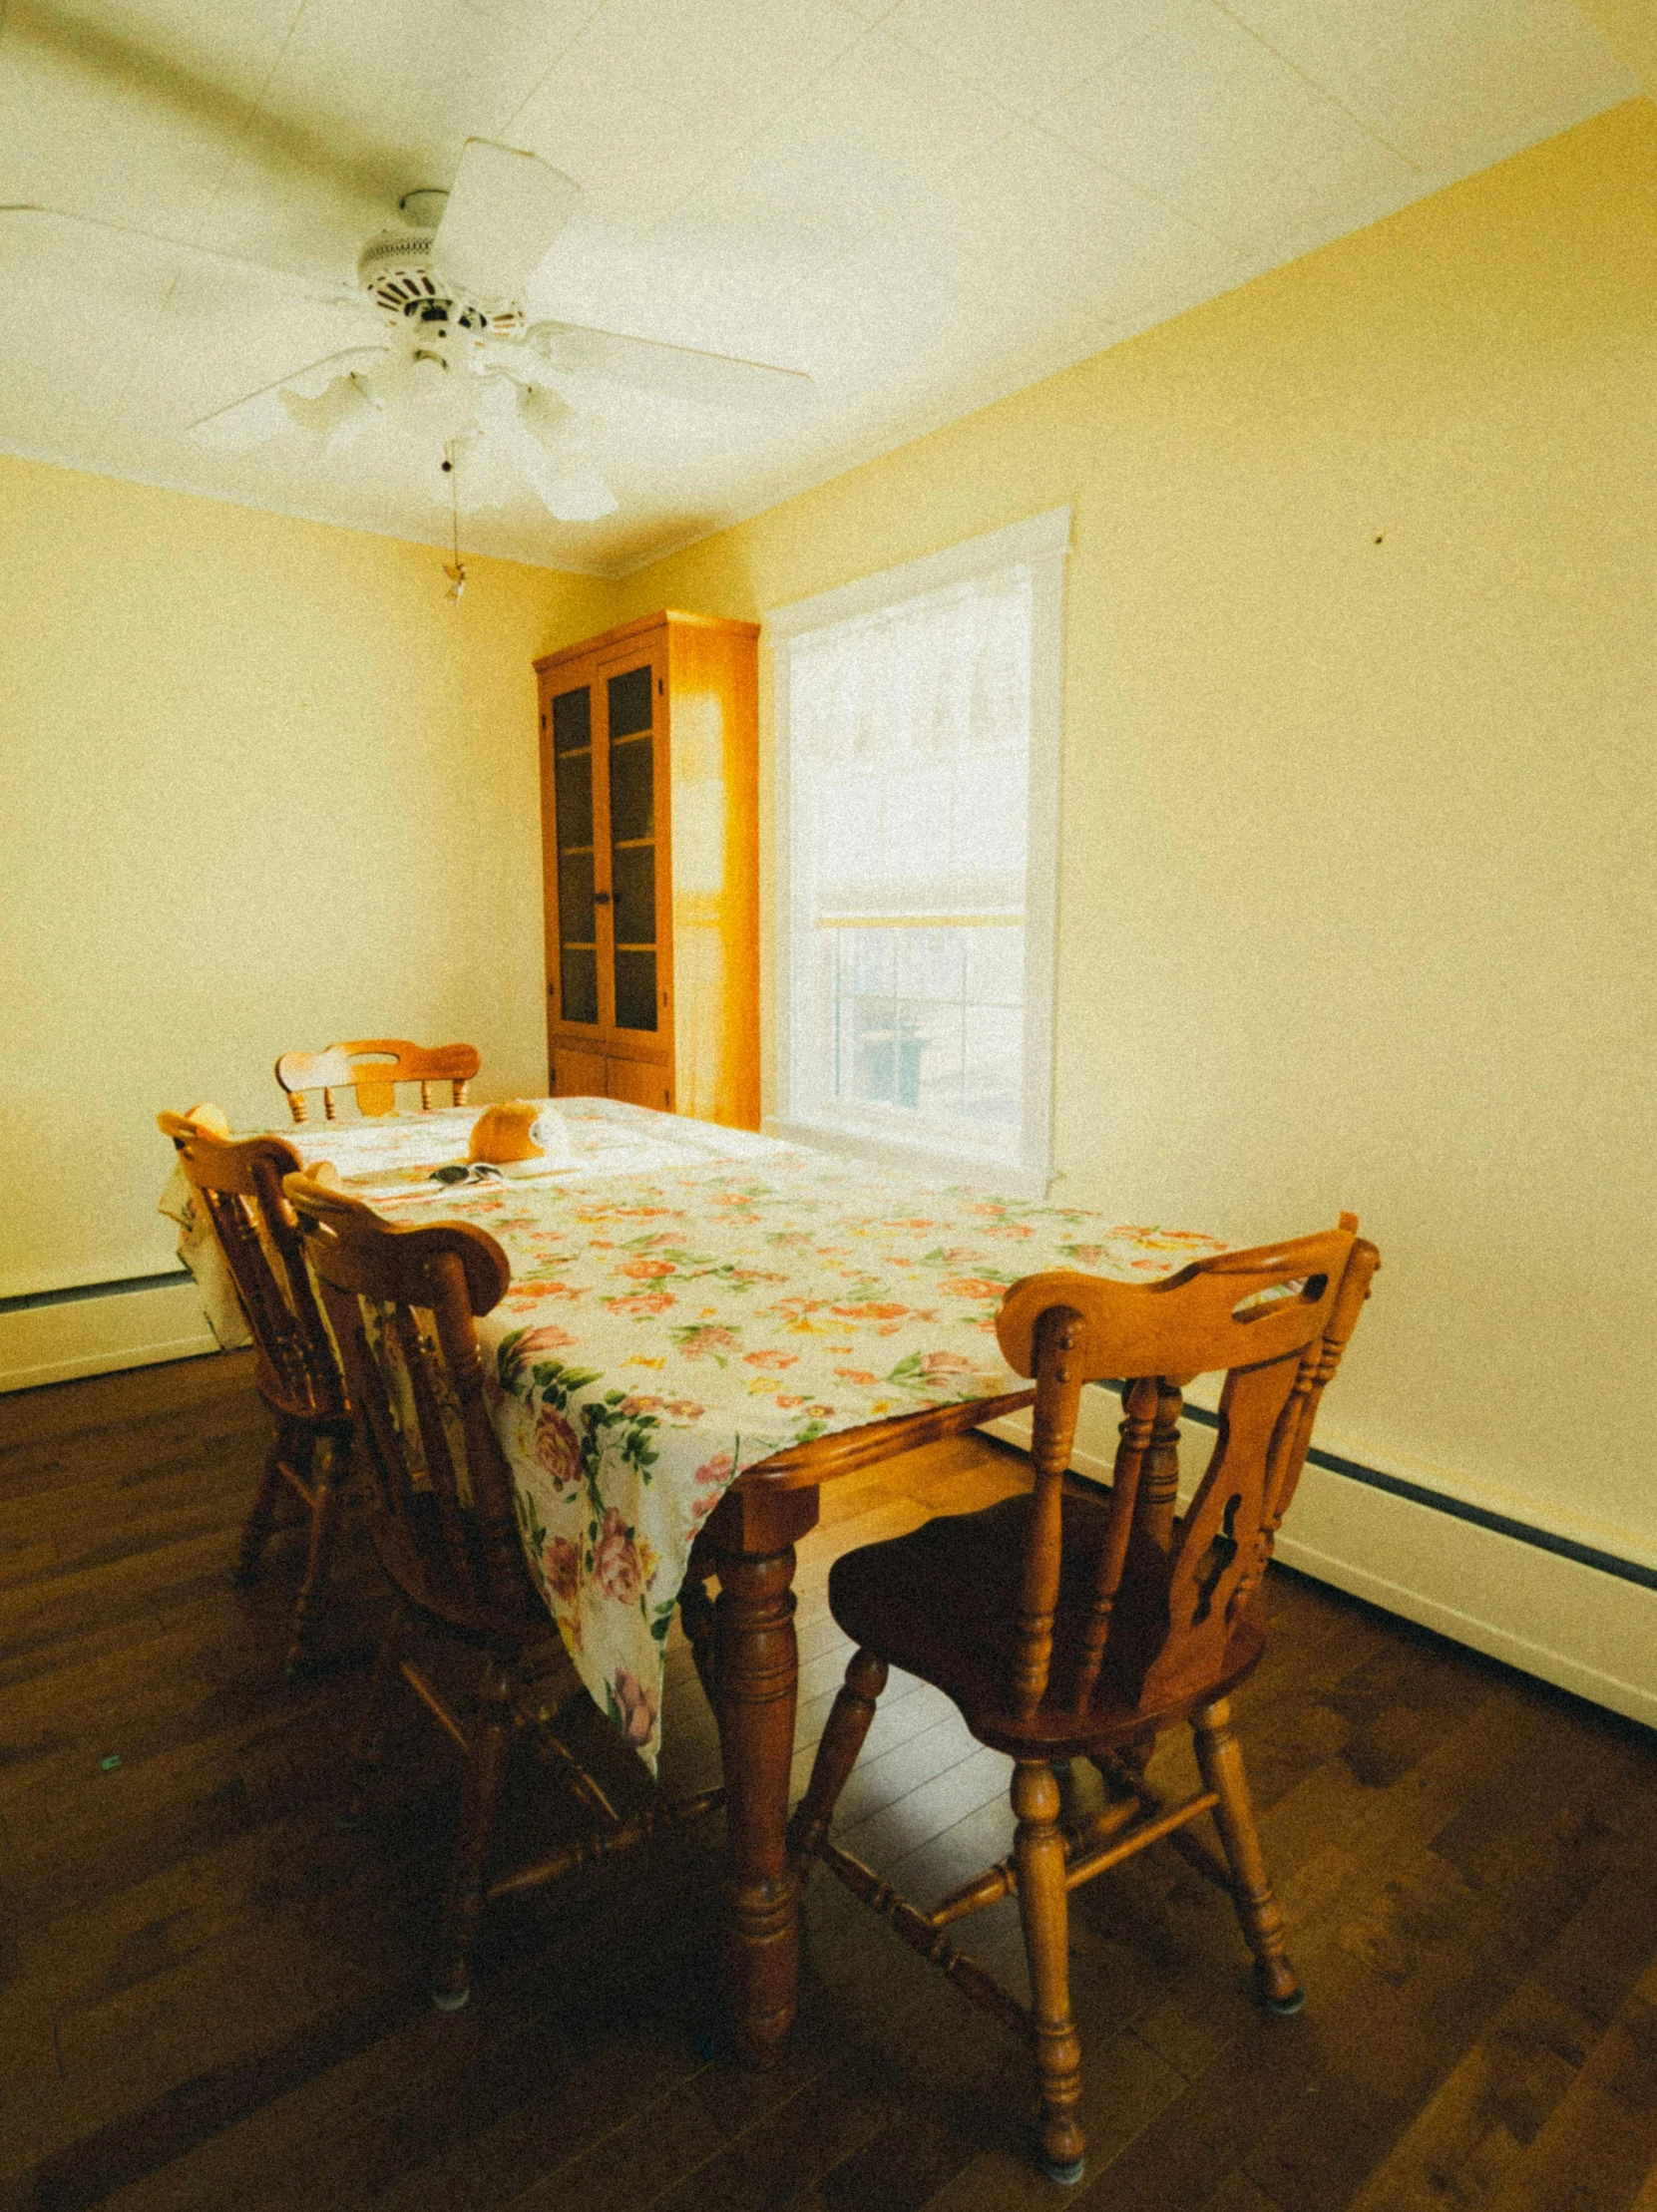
<point x="503" y="212"/>
<point x="261" y="415"/>
<point x="715" y="379"/>
<point x="321" y="288"/>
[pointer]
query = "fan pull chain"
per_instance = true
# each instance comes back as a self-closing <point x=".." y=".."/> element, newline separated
<point x="456" y="573"/>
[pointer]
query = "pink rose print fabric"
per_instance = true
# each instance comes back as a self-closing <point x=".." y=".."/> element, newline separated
<point x="688" y="1300"/>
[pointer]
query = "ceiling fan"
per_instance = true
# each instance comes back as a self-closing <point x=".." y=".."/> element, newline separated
<point x="459" y="367"/>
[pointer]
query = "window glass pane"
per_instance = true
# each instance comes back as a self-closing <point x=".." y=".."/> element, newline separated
<point x="575" y="900"/>
<point x="928" y="1043"/>
<point x="572" y="720"/>
<point x="866" y="961"/>
<point x="633" y="876"/>
<point x="632" y="790"/>
<point x="572" y="800"/>
<point x="995" y="966"/>
<point x="993" y="1050"/>
<point x="578" y="984"/>
<point x="930" y="963"/>
<point x="875" y="1069"/>
<point x="636" y="990"/>
<point x="629" y="704"/>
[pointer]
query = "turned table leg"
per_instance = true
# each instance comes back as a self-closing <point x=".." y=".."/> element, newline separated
<point x="752" y="1533"/>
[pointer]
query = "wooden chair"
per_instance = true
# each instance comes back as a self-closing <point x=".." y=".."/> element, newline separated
<point x="1075" y="1622"/>
<point x="239" y="1188"/>
<point x="403" y="1303"/>
<point x="373" y="1067"/>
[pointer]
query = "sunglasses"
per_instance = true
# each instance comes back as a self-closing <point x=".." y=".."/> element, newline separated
<point x="458" y="1171"/>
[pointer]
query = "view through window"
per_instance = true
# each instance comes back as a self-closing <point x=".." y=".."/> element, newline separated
<point x="909" y="742"/>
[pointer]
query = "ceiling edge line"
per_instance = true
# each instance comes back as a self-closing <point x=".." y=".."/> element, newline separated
<point x="43" y="456"/>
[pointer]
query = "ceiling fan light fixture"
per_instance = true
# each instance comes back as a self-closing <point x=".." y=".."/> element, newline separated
<point x="551" y="422"/>
<point x="577" y="496"/>
<point x="425" y="396"/>
<point x="337" y="413"/>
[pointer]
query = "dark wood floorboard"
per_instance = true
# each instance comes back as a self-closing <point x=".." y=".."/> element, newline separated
<point x="212" y="1998"/>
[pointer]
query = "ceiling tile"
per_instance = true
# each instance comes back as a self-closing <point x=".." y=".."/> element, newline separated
<point x="1203" y="116"/>
<point x="97" y="120"/>
<point x="1026" y="56"/>
<point x="872" y="137"/>
<point x="1451" y="84"/>
<point x="1093" y="242"/>
<point x="734" y="61"/>
<point x="632" y="154"/>
<point x="895" y="302"/>
<point x="182" y="56"/>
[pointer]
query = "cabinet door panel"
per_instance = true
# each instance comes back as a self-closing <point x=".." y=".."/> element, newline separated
<point x="573" y="918"/>
<point x="634" y="810"/>
<point x="577" y="1074"/>
<point x="641" y="1083"/>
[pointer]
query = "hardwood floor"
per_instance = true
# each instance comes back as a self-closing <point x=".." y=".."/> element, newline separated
<point x="212" y="1998"/>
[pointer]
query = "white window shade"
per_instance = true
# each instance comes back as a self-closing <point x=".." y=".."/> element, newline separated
<point x="918" y="745"/>
<point x="911" y="740"/>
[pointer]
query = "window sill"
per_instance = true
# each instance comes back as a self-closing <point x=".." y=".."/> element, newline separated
<point x="1004" y="1177"/>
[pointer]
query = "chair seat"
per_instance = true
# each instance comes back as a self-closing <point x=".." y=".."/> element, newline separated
<point x="298" y="1398"/>
<point x="943" y="1601"/>
<point x="413" y="1570"/>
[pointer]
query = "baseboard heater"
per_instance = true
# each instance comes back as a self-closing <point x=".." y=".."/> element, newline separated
<point x="1463" y="1509"/>
<point x="89" y="1328"/>
<point x="30" y="1301"/>
<point x="1570" y="1612"/>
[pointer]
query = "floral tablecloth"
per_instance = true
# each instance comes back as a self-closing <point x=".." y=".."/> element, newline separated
<point x="687" y="1299"/>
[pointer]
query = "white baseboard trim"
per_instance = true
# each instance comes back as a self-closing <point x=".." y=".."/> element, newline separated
<point x="92" y="1334"/>
<point x="1566" y="1621"/>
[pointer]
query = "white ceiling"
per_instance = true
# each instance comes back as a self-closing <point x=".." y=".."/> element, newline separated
<point x="926" y="205"/>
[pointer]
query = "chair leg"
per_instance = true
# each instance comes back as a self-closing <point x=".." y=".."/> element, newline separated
<point x="332" y="1464"/>
<point x="1044" y="1904"/>
<point x="369" y="1751"/>
<point x="488" y="1755"/>
<point x="1220" y="1760"/>
<point x="700" y="1626"/>
<point x="848" y="1724"/>
<point x="290" y="1441"/>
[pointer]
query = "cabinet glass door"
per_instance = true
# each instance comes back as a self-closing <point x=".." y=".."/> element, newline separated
<point x="578" y="936"/>
<point x="629" y="701"/>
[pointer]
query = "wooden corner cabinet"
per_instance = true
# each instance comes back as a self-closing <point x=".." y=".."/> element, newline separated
<point x="650" y="823"/>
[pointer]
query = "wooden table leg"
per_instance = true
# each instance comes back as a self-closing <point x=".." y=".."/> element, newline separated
<point x="753" y="1533"/>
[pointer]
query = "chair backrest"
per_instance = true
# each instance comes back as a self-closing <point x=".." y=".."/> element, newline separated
<point x="239" y="1188"/>
<point x="1154" y="1614"/>
<point x="402" y="1302"/>
<point x="372" y="1067"/>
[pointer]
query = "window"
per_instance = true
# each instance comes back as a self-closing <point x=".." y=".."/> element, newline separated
<point x="917" y="719"/>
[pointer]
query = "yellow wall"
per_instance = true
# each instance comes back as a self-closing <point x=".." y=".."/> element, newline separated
<point x="263" y="787"/>
<point x="1358" y="862"/>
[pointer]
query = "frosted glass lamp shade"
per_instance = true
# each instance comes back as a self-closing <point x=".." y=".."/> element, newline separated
<point x="551" y="422"/>
<point x="425" y="397"/>
<point x="335" y="414"/>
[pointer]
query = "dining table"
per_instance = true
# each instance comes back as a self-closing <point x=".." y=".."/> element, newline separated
<point x="704" y="1325"/>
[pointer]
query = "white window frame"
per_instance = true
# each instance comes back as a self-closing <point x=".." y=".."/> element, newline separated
<point x="1042" y="543"/>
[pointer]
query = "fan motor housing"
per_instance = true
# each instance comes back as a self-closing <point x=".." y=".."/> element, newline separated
<point x="395" y="270"/>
